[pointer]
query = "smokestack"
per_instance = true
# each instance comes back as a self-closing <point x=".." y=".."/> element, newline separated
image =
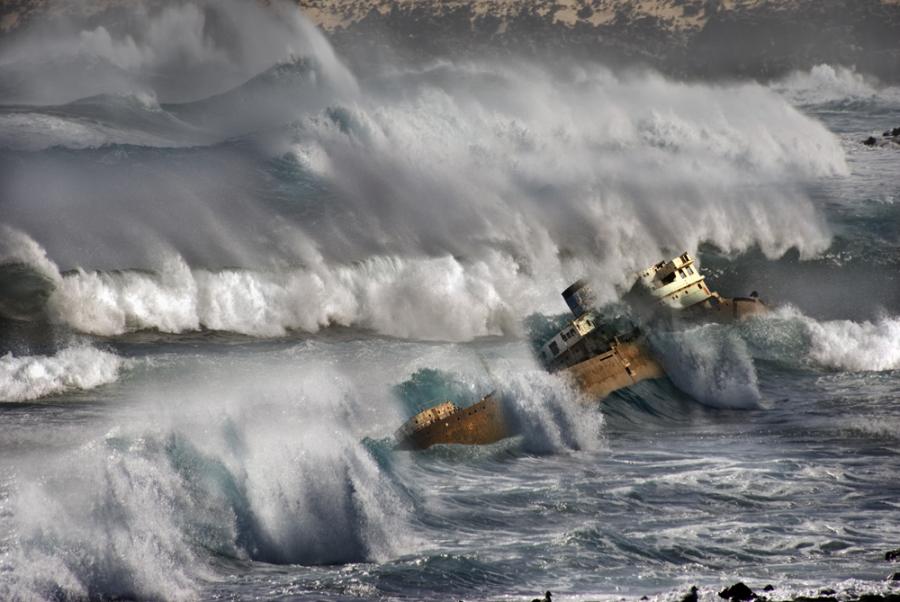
<point x="579" y="297"/>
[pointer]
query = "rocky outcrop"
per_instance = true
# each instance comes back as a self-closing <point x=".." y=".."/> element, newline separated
<point x="739" y="592"/>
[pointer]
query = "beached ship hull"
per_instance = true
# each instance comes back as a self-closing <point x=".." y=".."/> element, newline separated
<point x="723" y="309"/>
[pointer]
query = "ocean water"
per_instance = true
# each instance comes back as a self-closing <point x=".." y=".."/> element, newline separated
<point x="225" y="283"/>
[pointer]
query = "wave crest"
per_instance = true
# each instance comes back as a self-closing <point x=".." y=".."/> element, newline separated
<point x="30" y="377"/>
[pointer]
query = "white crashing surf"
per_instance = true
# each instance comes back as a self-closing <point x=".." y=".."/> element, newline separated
<point x="790" y="335"/>
<point x="28" y="377"/>
<point x="856" y="346"/>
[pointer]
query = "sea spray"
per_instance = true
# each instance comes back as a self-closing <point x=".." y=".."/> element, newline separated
<point x="364" y="199"/>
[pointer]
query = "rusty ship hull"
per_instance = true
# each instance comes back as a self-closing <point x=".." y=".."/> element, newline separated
<point x="479" y="424"/>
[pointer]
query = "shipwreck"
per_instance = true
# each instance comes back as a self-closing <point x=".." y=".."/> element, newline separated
<point x="601" y="355"/>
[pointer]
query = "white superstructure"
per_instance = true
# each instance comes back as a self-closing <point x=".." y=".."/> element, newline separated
<point x="676" y="283"/>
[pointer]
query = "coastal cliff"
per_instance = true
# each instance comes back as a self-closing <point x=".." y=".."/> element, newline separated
<point x="693" y="38"/>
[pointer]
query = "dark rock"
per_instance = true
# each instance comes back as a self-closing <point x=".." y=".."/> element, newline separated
<point x="870" y="141"/>
<point x="892" y="555"/>
<point x="827" y="592"/>
<point x="879" y="598"/>
<point x="894" y="577"/>
<point x="738" y="592"/>
<point x="546" y="598"/>
<point x="691" y="596"/>
<point x="769" y="588"/>
<point x="895" y="132"/>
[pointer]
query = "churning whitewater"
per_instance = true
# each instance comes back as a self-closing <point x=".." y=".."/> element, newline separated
<point x="232" y="265"/>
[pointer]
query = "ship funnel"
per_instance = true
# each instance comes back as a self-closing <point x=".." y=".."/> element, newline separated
<point x="579" y="297"/>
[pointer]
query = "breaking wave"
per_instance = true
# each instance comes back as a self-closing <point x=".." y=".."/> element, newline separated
<point x="790" y="336"/>
<point x="429" y="299"/>
<point x="710" y="363"/>
<point x="143" y="510"/>
<point x="855" y="346"/>
<point x="28" y="377"/>
<point x="827" y="84"/>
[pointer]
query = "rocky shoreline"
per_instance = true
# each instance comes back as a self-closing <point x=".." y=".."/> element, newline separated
<point x="890" y="137"/>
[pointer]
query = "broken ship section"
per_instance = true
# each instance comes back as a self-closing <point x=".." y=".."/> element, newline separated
<point x="479" y="424"/>
<point x="677" y="287"/>
<point x="600" y="354"/>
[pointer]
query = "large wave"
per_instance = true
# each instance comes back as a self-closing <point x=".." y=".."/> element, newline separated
<point x="143" y="510"/>
<point x="436" y="202"/>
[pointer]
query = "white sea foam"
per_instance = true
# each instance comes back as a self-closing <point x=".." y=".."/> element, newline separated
<point x="29" y="377"/>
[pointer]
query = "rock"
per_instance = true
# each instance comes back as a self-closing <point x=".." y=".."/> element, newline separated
<point x="546" y="598"/>
<point x="870" y="141"/>
<point x="894" y="577"/>
<point x="769" y="588"/>
<point x="827" y="592"/>
<point x="691" y="596"/>
<point x="895" y="132"/>
<point x="893" y="555"/>
<point x="738" y="592"/>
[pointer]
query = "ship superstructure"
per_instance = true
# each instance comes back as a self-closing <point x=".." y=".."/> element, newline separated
<point x="676" y="283"/>
<point x="677" y="286"/>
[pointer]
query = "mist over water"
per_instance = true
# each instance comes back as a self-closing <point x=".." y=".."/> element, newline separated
<point x="231" y="266"/>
